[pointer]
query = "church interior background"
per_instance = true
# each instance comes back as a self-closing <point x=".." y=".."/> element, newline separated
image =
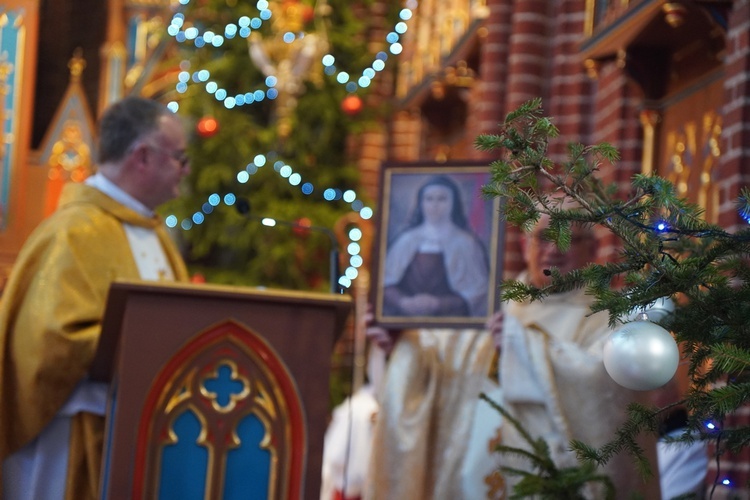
<point x="665" y="82"/>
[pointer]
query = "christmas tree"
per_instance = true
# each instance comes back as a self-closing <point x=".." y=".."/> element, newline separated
<point x="272" y="138"/>
<point x="666" y="250"/>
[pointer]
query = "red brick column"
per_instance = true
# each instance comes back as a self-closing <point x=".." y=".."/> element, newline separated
<point x="372" y="144"/>
<point x="733" y="171"/>
<point x="731" y="174"/>
<point x="490" y="108"/>
<point x="570" y="98"/>
<point x="617" y="121"/>
<point x="528" y="59"/>
<point x="528" y="75"/>
<point x="405" y="136"/>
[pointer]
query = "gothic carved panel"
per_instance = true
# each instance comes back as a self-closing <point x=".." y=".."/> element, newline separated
<point x="223" y="419"/>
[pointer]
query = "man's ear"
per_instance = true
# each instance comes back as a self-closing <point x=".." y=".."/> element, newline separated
<point x="139" y="156"/>
<point x="143" y="152"/>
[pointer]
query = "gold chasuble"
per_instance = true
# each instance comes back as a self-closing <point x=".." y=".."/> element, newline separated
<point x="50" y="320"/>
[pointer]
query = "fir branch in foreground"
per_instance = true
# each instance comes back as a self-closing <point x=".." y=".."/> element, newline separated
<point x="666" y="249"/>
<point x="640" y="419"/>
<point x="545" y="480"/>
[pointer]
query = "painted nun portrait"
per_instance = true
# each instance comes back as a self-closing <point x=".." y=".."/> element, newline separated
<point x="436" y="266"/>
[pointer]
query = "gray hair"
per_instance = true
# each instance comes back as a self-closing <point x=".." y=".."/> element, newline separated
<point x="124" y="122"/>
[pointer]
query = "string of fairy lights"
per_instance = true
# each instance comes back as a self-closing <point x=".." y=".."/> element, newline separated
<point x="184" y="32"/>
<point x="285" y="171"/>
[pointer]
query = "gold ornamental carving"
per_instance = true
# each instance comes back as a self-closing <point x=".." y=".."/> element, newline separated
<point x="694" y="151"/>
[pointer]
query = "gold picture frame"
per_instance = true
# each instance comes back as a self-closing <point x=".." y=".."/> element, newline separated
<point x="438" y="254"/>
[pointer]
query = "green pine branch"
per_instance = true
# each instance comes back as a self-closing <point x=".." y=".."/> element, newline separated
<point x="545" y="480"/>
<point x="666" y="249"/>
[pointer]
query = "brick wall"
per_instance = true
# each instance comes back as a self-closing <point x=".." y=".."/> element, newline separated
<point x="372" y="144"/>
<point x="570" y="100"/>
<point x="529" y="45"/>
<point x="732" y="173"/>
<point x="405" y="136"/>
<point x="734" y="166"/>
<point x="527" y="78"/>
<point x="617" y="121"/>
<point x="494" y="70"/>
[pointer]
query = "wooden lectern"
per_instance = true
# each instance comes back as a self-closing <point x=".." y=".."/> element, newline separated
<point x="216" y="392"/>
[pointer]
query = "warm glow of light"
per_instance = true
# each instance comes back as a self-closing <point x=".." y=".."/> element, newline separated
<point x="351" y="105"/>
<point x="208" y="126"/>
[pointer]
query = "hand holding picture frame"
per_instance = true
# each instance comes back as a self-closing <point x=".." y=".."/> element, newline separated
<point x="439" y="247"/>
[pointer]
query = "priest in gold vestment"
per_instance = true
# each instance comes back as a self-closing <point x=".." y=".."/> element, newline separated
<point x="51" y="416"/>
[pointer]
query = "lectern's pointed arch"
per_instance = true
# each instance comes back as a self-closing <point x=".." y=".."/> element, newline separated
<point x="229" y="404"/>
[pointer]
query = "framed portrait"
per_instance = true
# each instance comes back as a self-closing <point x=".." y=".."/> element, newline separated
<point x="438" y="248"/>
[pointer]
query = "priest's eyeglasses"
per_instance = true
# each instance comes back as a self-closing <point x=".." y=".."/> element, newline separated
<point x="179" y="156"/>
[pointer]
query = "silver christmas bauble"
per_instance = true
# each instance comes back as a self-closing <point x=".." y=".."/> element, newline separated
<point x="641" y="356"/>
<point x="656" y="311"/>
